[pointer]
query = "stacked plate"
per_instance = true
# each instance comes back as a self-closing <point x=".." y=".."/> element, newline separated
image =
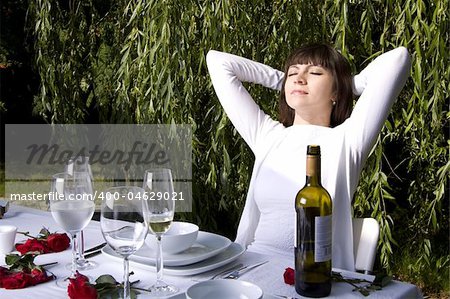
<point x="209" y="252"/>
<point x="224" y="289"/>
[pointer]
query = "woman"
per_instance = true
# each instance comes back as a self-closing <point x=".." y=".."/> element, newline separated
<point x="315" y="106"/>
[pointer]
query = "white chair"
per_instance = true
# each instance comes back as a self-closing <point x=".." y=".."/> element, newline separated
<point x="365" y="239"/>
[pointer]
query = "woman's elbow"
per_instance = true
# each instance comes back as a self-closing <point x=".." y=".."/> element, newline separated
<point x="211" y="57"/>
<point x="404" y="57"/>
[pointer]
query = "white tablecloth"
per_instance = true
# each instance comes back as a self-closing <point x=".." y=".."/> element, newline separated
<point x="269" y="276"/>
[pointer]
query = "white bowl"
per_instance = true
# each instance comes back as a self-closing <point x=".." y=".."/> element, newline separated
<point x="224" y="289"/>
<point x="178" y="238"/>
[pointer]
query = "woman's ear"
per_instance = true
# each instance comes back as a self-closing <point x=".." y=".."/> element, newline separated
<point x="334" y="98"/>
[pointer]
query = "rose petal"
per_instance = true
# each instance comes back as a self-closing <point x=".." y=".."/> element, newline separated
<point x="289" y="276"/>
<point x="17" y="280"/>
<point x="58" y="242"/>
<point x="79" y="288"/>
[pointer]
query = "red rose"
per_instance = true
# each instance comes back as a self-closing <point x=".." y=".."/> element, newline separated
<point x="32" y="245"/>
<point x="79" y="288"/>
<point x="289" y="276"/>
<point x="38" y="276"/>
<point x="3" y="272"/>
<point x="80" y="278"/>
<point x="17" y="280"/>
<point x="58" y="242"/>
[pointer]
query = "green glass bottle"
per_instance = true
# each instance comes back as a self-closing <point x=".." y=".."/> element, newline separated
<point x="313" y="234"/>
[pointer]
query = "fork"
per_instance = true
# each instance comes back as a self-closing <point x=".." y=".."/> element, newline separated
<point x="228" y="270"/>
<point x="237" y="273"/>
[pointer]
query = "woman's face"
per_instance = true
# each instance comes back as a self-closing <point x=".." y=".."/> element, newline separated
<point x="309" y="89"/>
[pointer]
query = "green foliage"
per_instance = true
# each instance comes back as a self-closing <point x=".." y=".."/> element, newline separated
<point x="144" y="62"/>
<point x="410" y="267"/>
<point x="11" y="46"/>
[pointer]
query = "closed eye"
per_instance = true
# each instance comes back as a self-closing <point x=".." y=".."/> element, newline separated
<point x="315" y="73"/>
<point x="292" y="74"/>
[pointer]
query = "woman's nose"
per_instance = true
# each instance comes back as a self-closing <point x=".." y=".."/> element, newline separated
<point x="300" y="79"/>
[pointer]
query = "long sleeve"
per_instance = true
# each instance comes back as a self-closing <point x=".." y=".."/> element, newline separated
<point x="227" y="73"/>
<point x="379" y="85"/>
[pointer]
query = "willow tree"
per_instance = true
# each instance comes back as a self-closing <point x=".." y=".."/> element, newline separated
<point x="144" y="62"/>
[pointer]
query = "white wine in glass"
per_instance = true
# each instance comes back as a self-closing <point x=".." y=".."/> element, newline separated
<point x="158" y="186"/>
<point x="160" y="224"/>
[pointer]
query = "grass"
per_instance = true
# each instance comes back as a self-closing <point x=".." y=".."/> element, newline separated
<point x="433" y="279"/>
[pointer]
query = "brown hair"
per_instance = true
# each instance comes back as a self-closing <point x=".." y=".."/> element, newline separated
<point x="327" y="57"/>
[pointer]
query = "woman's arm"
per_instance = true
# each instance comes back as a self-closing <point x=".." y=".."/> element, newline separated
<point x="379" y="85"/>
<point x="227" y="73"/>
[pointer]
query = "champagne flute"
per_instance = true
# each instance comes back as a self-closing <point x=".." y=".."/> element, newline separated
<point x="72" y="208"/>
<point x="158" y="188"/>
<point x="80" y="164"/>
<point x="123" y="221"/>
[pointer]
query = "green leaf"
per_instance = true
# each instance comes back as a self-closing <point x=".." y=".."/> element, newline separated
<point x="109" y="293"/>
<point x="134" y="293"/>
<point x="106" y="279"/>
<point x="11" y="259"/>
<point x="363" y="291"/>
<point x="44" y="232"/>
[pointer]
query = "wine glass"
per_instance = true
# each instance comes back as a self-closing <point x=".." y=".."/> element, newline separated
<point x="124" y="225"/>
<point x="72" y="207"/>
<point x="80" y="164"/>
<point x="158" y="188"/>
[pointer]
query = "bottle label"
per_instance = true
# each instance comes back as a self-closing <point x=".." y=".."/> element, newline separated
<point x="322" y="250"/>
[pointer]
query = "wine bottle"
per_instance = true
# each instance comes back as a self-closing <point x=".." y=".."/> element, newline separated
<point x="313" y="234"/>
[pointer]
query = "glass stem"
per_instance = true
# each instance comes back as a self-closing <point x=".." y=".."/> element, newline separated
<point x="80" y="247"/>
<point x="126" y="279"/>
<point x="159" y="260"/>
<point x="74" y="255"/>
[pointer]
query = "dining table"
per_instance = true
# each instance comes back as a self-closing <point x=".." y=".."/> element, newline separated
<point x="269" y="276"/>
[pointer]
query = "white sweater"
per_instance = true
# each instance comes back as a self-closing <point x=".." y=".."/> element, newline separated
<point x="268" y="222"/>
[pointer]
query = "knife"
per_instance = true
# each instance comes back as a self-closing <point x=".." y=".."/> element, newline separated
<point x="98" y="247"/>
<point x="93" y="253"/>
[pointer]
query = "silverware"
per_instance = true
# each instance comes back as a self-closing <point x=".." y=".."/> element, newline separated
<point x="94" y="253"/>
<point x="228" y="271"/>
<point x="98" y="247"/>
<point x="237" y="273"/>
<point x="285" y="297"/>
<point x="48" y="264"/>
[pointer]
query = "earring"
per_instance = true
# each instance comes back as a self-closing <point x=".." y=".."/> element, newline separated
<point x="334" y="102"/>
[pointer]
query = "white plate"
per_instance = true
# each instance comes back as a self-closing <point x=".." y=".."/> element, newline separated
<point x="183" y="296"/>
<point x="224" y="289"/>
<point x="230" y="254"/>
<point x="206" y="246"/>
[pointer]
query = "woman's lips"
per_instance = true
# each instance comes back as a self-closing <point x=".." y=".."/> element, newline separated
<point x="298" y="92"/>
